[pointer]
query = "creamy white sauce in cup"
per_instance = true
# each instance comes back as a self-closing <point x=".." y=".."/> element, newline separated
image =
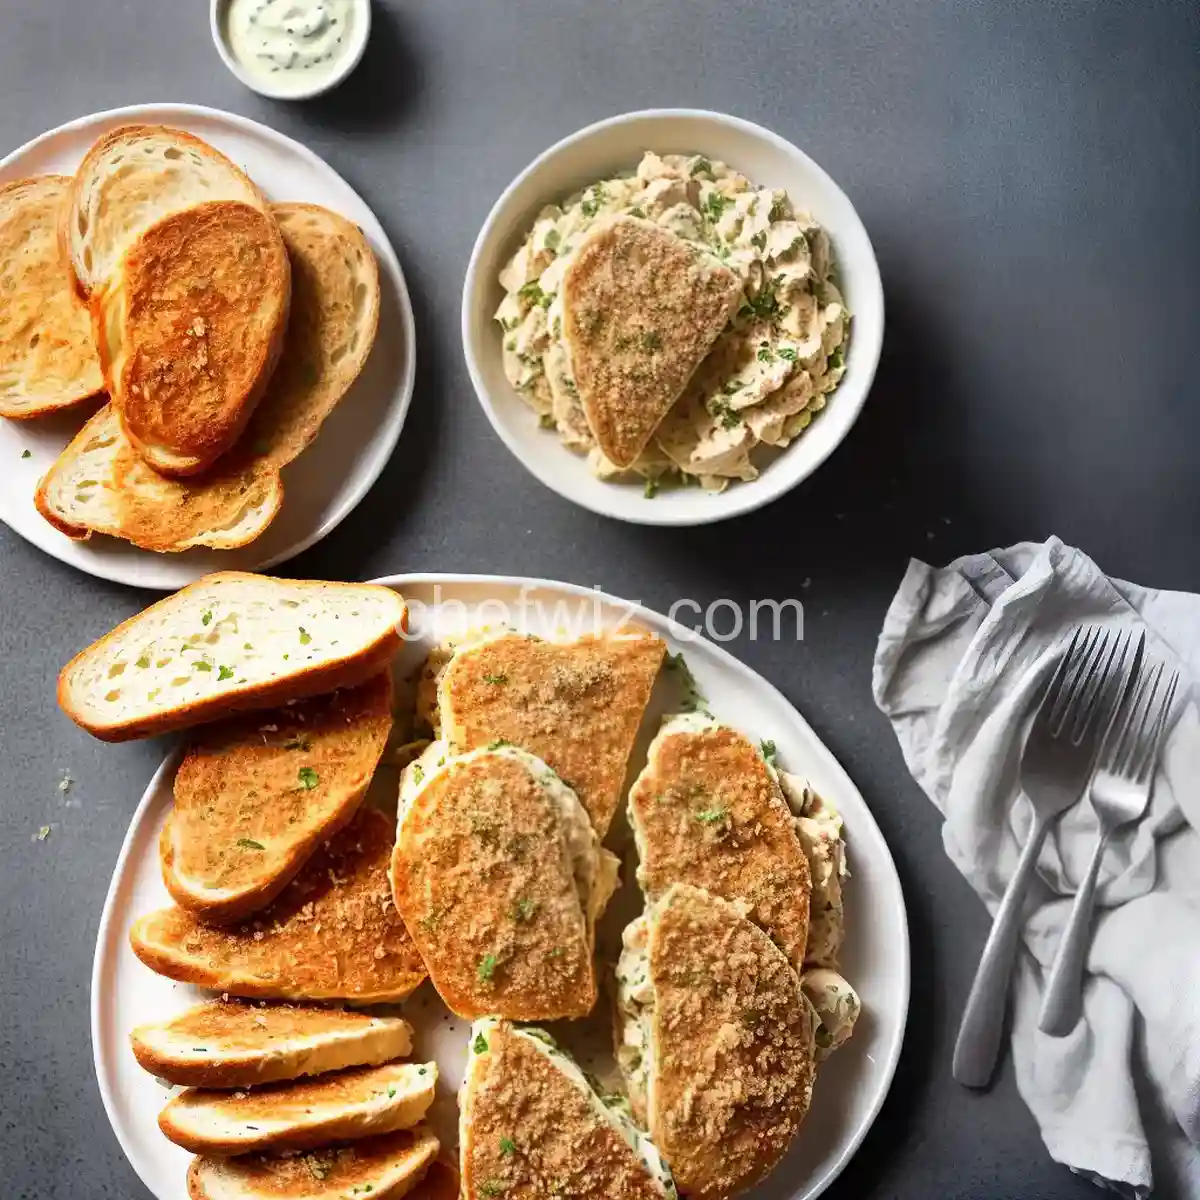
<point x="291" y="46"/>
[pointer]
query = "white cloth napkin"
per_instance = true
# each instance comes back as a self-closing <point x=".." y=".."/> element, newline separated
<point x="962" y="652"/>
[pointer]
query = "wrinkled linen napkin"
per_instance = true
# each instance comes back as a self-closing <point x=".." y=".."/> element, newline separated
<point x="963" y="652"/>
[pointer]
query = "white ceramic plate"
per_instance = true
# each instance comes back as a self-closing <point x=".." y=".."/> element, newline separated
<point x="850" y="1087"/>
<point x="599" y="152"/>
<point x="323" y="485"/>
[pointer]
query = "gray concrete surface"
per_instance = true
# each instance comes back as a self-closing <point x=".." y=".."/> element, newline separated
<point x="1028" y="172"/>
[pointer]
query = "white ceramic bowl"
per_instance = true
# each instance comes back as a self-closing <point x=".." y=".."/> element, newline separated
<point x="354" y="53"/>
<point x="599" y="152"/>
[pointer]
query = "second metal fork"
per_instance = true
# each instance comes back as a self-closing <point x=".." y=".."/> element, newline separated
<point x="1120" y="794"/>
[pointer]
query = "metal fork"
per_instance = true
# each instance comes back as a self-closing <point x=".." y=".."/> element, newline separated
<point x="1120" y="794"/>
<point x="1057" y="762"/>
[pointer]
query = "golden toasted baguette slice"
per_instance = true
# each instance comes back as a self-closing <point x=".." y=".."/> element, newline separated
<point x="98" y="484"/>
<point x="189" y="329"/>
<point x="717" y="1041"/>
<point x="78" y="494"/>
<point x="342" y="1106"/>
<point x="381" y="1168"/>
<point x="332" y="934"/>
<point x="576" y="705"/>
<point x="532" y="1126"/>
<point x="641" y="308"/>
<point x="231" y="1044"/>
<point x="708" y="810"/>
<point x="256" y="795"/>
<point x="48" y="358"/>
<point x="130" y="179"/>
<point x="500" y="878"/>
<point x="230" y="642"/>
<point x="331" y="329"/>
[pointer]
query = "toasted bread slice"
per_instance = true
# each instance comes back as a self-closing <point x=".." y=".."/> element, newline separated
<point x="499" y="877"/>
<point x="98" y="484"/>
<point x="48" y="359"/>
<point x="531" y="1126"/>
<point x="243" y="824"/>
<point x="343" y="1106"/>
<point x="332" y="934"/>
<point x="641" y="308"/>
<point x="383" y="1168"/>
<point x="230" y="642"/>
<point x="231" y="1044"/>
<point x="331" y="329"/>
<point x="718" y="1041"/>
<point x="78" y="494"/>
<point x="708" y="810"/>
<point x="576" y="705"/>
<point x="130" y="179"/>
<point x="189" y="329"/>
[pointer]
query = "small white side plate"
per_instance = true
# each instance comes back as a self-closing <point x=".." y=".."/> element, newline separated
<point x="850" y="1087"/>
<point x="324" y="484"/>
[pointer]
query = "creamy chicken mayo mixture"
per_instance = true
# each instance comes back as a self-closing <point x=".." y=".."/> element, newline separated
<point x="767" y="375"/>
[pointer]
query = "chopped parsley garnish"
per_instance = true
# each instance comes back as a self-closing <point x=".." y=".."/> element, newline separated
<point x="391" y="1092"/>
<point x="778" y="211"/>
<point x="701" y="166"/>
<point x="637" y="212"/>
<point x="532" y="291"/>
<point x="786" y="353"/>
<point x="553" y="238"/>
<point x="479" y="1045"/>
<point x="26" y="453"/>
<point x="765" y="353"/>
<point x="759" y="241"/>
<point x="547" y="421"/>
<point x="43" y="833"/>
<point x="418" y="772"/>
<point x="557" y="952"/>
<point x="206" y="617"/>
<point x="496" y="743"/>
<point x="144" y="661"/>
<point x="593" y="198"/>
<point x="305" y="636"/>
<point x="495" y="679"/>
<point x="837" y="358"/>
<point x="764" y="304"/>
<point x="492" y="1187"/>
<point x="202" y="664"/>
<point x="651" y="340"/>
<point x="769" y="751"/>
<point x="651" y="489"/>
<point x="224" y="673"/>
<point x="250" y="844"/>
<point x="524" y="910"/>
<point x="487" y="968"/>
<point x="308" y="778"/>
<point x="507" y="1147"/>
<point x="714" y="205"/>
<point x="724" y="412"/>
<point x="710" y="816"/>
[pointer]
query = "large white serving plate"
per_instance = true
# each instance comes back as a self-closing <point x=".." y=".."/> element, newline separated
<point x="850" y="1087"/>
<point x="323" y="485"/>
